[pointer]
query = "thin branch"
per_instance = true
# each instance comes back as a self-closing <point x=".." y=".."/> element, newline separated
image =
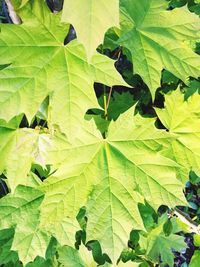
<point x="194" y="227"/>
<point x="12" y="14"/>
<point x="109" y="97"/>
<point x="105" y="106"/>
<point x="117" y="53"/>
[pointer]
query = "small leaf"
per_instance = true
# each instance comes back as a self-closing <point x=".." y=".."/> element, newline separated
<point x="160" y="245"/>
<point x="167" y="227"/>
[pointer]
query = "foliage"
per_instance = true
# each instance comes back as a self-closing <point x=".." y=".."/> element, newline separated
<point x="91" y="153"/>
<point x="158" y="44"/>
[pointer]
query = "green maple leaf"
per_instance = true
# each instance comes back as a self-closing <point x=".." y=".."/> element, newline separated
<point x="91" y="20"/>
<point x="39" y="59"/>
<point x="30" y="241"/>
<point x="110" y="176"/>
<point x="181" y="118"/>
<point x="69" y="256"/>
<point x="21" y="210"/>
<point x="64" y="230"/>
<point x="155" y="38"/>
<point x="19" y="149"/>
<point x="18" y="207"/>
<point x="160" y="245"/>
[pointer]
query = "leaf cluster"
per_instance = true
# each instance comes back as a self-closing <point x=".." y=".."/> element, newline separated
<point x="98" y="132"/>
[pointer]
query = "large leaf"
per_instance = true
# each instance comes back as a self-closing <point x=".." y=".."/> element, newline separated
<point x="110" y="176"/>
<point x="182" y="119"/>
<point x="106" y="177"/>
<point x="155" y="38"/>
<point x="91" y="20"/>
<point x="40" y="65"/>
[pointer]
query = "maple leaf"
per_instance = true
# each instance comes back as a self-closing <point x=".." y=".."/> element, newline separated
<point x="21" y="210"/>
<point x="64" y="230"/>
<point x="160" y="245"/>
<point x="19" y="149"/>
<point x="29" y="240"/>
<point x="39" y="59"/>
<point x="91" y="20"/>
<point x="182" y="119"/>
<point x="110" y="176"/>
<point x="69" y="256"/>
<point x="23" y="202"/>
<point x="155" y="38"/>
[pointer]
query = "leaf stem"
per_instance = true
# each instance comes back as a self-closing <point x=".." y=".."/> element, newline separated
<point x="12" y="14"/>
<point x="194" y="227"/>
<point x="109" y="97"/>
<point x="117" y="53"/>
<point x="105" y="103"/>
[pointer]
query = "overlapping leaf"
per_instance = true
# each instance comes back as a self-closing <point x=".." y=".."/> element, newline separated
<point x="91" y="20"/>
<point x="110" y="177"/>
<point x="41" y="65"/>
<point x="182" y="118"/>
<point x="19" y="149"/>
<point x="69" y="256"/>
<point x="155" y="38"/>
<point x="30" y="241"/>
<point x="160" y="246"/>
<point x="18" y="206"/>
<point x="21" y="209"/>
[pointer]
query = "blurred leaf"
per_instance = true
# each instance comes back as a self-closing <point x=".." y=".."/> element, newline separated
<point x="195" y="260"/>
<point x="196" y="240"/>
